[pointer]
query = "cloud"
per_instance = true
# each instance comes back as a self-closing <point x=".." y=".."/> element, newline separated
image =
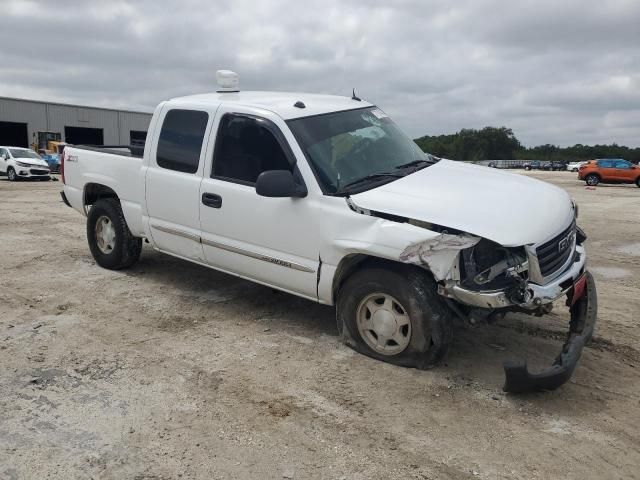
<point x="556" y="72"/>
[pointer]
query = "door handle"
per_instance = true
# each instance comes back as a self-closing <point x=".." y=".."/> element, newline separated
<point x="212" y="200"/>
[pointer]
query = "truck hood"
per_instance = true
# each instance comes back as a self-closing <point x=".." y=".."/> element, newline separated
<point x="509" y="209"/>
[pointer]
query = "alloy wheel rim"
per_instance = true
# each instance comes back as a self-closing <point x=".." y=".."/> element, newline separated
<point x="105" y="235"/>
<point x="384" y="324"/>
<point x="12" y="175"/>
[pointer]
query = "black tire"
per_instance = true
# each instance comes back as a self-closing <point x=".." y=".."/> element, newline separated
<point x="527" y="168"/>
<point x="638" y="182"/>
<point x="11" y="174"/>
<point x="592" y="179"/>
<point x="431" y="322"/>
<point x="127" y="248"/>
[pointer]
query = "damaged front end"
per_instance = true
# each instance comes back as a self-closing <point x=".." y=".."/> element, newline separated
<point x="483" y="279"/>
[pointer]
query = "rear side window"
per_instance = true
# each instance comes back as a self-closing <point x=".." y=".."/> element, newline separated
<point x="605" y="163"/>
<point x="181" y="139"/>
<point x="246" y="146"/>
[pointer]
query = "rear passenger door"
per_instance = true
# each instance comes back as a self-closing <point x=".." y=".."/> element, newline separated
<point x="606" y="170"/>
<point x="176" y="163"/>
<point x="274" y="241"/>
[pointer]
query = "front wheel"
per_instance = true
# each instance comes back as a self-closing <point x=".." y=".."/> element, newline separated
<point x="592" y="180"/>
<point x="11" y="174"/>
<point x="393" y="313"/>
<point x="112" y="244"/>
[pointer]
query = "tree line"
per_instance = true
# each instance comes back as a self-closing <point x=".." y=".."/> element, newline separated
<point x="500" y="143"/>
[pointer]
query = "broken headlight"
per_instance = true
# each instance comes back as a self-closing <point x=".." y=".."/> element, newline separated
<point x="489" y="266"/>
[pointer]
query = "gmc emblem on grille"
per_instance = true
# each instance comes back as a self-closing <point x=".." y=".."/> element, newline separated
<point x="566" y="242"/>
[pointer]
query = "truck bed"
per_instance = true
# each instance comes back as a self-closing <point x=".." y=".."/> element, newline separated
<point x="114" y="167"/>
<point x="122" y="150"/>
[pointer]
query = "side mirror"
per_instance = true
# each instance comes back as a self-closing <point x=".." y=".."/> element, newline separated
<point x="279" y="184"/>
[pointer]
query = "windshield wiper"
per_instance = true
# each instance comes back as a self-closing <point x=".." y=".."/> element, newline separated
<point x="416" y="163"/>
<point x="370" y="177"/>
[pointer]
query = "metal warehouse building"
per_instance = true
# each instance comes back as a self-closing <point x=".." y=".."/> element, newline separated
<point x="28" y="123"/>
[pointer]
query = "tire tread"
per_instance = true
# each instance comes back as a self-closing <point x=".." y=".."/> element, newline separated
<point x="435" y="330"/>
<point x="130" y="246"/>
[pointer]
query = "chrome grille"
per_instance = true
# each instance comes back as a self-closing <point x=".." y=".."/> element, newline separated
<point x="553" y="254"/>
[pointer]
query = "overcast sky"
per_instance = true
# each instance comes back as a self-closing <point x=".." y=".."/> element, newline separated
<point x="556" y="71"/>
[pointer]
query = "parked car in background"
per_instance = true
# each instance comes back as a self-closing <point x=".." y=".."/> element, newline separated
<point x="609" y="170"/>
<point x="53" y="160"/>
<point x="19" y="163"/>
<point x="574" y="166"/>
<point x="535" y="165"/>
<point x="556" y="166"/>
<point x="538" y="165"/>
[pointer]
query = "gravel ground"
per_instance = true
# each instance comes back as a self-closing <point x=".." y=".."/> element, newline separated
<point x="170" y="370"/>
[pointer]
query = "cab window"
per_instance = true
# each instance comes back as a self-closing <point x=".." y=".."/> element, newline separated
<point x="181" y="139"/>
<point x="246" y="146"/>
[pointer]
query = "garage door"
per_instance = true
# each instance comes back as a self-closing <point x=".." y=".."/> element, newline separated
<point x="14" y="134"/>
<point x="84" y="136"/>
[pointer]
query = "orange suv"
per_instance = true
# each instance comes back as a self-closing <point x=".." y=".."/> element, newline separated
<point x="609" y="170"/>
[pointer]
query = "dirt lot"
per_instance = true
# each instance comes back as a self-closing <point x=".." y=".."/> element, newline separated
<point x="172" y="370"/>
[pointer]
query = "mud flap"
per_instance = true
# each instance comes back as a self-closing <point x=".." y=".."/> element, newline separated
<point x="583" y="307"/>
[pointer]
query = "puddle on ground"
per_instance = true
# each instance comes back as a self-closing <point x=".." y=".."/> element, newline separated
<point x="630" y="249"/>
<point x="610" y="272"/>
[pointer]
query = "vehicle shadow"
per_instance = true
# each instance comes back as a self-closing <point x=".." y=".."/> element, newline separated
<point x="234" y="296"/>
<point x="474" y="361"/>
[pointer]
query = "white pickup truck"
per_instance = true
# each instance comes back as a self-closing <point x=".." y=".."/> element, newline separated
<point x="324" y="197"/>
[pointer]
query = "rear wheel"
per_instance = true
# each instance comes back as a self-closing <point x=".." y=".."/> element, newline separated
<point x="394" y="314"/>
<point x="112" y="244"/>
<point x="592" y="179"/>
<point x="11" y="174"/>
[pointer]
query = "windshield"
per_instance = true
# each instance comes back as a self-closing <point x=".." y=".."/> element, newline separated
<point x="23" y="153"/>
<point x="352" y="146"/>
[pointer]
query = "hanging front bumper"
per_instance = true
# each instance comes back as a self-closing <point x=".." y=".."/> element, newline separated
<point x="583" y="307"/>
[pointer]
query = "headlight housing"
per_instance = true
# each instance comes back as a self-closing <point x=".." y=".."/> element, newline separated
<point x="23" y="164"/>
<point x="489" y="266"/>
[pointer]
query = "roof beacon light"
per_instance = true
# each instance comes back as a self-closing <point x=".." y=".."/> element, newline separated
<point x="228" y="81"/>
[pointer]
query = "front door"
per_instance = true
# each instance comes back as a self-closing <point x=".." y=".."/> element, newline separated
<point x="270" y="240"/>
<point x="622" y="171"/>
